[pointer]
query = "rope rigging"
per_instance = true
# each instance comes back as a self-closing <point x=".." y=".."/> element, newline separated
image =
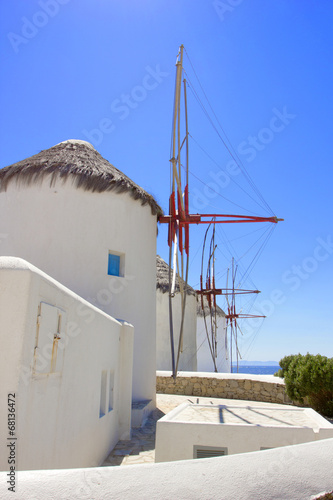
<point x="228" y="146"/>
<point x="229" y="176"/>
<point x="266" y="235"/>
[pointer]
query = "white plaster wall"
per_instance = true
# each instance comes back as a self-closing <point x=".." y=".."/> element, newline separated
<point x="68" y="233"/>
<point x="292" y="472"/>
<point x="204" y="358"/>
<point x="175" y="439"/>
<point x="58" y="419"/>
<point x="188" y="358"/>
<point x="125" y="380"/>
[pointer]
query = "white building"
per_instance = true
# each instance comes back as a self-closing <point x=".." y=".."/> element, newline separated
<point x="74" y="216"/>
<point x="188" y="357"/>
<point x="204" y="356"/>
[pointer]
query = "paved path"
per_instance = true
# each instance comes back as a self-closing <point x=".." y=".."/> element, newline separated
<point x="141" y="448"/>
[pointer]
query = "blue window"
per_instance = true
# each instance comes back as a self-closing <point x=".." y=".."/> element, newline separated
<point x="114" y="265"/>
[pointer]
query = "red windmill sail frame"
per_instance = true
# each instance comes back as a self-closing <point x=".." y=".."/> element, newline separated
<point x="233" y="316"/>
<point x="210" y="294"/>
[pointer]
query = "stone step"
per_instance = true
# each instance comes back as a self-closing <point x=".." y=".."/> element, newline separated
<point x="141" y="411"/>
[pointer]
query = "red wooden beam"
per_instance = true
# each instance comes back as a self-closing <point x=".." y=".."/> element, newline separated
<point x="213" y="291"/>
<point x="225" y="291"/>
<point x="240" y="315"/>
<point x="226" y="219"/>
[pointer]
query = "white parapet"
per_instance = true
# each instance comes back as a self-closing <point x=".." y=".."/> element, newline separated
<point x="293" y="472"/>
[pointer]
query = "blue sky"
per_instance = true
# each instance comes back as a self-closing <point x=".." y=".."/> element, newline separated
<point x="103" y="71"/>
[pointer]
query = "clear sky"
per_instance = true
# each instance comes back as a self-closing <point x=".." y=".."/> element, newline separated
<point x="103" y="71"/>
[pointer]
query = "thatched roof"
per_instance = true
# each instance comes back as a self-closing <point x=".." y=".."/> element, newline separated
<point x="162" y="278"/>
<point x="80" y="162"/>
<point x="219" y="311"/>
<point x="162" y="284"/>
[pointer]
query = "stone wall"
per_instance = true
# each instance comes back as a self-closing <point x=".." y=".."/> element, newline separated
<point x="265" y="388"/>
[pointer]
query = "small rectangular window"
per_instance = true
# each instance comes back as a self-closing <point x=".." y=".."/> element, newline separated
<point x="114" y="265"/>
<point x="111" y="388"/>
<point x="103" y="403"/>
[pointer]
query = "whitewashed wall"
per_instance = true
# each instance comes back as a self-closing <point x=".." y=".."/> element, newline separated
<point x="68" y="232"/>
<point x="188" y="359"/>
<point x="204" y="358"/>
<point x="58" y="391"/>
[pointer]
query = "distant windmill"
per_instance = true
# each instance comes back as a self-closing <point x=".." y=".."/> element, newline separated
<point x="232" y="316"/>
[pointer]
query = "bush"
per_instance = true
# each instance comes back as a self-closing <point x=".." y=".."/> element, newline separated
<point x="284" y="364"/>
<point x="309" y="379"/>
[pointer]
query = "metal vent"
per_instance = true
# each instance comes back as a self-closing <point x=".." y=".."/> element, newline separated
<point x="209" y="452"/>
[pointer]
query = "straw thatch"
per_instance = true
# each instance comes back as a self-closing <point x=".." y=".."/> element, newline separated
<point x="80" y="162"/>
<point x="162" y="278"/>
<point x="219" y="312"/>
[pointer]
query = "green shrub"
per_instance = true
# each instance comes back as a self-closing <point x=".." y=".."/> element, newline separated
<point x="284" y="364"/>
<point x="309" y="379"/>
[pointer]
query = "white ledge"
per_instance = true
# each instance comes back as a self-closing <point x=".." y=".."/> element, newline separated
<point x="228" y="376"/>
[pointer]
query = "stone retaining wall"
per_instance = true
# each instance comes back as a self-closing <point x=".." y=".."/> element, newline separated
<point x="230" y="386"/>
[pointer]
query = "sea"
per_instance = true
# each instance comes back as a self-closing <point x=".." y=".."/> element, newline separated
<point x="256" y="369"/>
